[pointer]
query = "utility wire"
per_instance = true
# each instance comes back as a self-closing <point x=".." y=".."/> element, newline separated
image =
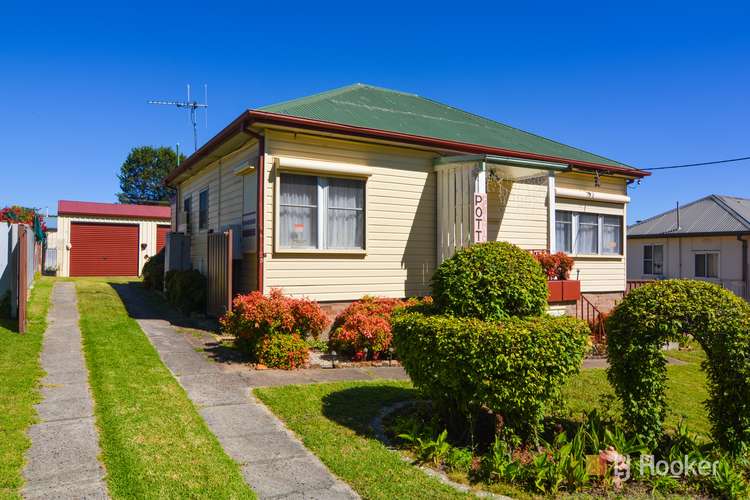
<point x="698" y="164"/>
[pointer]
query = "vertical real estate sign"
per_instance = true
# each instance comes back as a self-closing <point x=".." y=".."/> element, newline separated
<point x="479" y="218"/>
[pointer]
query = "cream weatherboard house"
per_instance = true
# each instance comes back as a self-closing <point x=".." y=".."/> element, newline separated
<point x="363" y="190"/>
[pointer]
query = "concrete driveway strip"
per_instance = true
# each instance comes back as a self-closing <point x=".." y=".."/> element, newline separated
<point x="62" y="461"/>
<point x="274" y="462"/>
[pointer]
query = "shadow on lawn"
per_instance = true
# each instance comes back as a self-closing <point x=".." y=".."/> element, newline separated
<point x="356" y="407"/>
<point x="147" y="304"/>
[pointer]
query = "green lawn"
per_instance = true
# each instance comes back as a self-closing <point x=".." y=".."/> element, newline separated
<point x="20" y="373"/>
<point x="333" y="420"/>
<point x="154" y="443"/>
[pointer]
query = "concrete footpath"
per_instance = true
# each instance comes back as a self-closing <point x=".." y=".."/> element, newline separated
<point x="62" y="461"/>
<point x="274" y="462"/>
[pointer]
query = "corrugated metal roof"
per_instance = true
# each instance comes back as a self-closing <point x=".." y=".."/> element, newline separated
<point x="712" y="214"/>
<point x="377" y="108"/>
<point x="66" y="207"/>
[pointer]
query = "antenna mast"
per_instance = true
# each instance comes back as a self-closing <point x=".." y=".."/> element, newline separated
<point x="192" y="106"/>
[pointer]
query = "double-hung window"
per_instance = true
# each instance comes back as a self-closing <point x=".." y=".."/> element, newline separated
<point x="707" y="265"/>
<point x="203" y="209"/>
<point x="323" y="213"/>
<point x="587" y="233"/>
<point x="653" y="260"/>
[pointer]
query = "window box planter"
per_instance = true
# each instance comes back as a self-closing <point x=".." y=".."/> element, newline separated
<point x="563" y="290"/>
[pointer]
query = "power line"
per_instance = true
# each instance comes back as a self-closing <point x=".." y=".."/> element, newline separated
<point x="699" y="164"/>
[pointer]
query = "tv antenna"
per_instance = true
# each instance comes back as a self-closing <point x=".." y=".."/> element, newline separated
<point x="193" y="106"/>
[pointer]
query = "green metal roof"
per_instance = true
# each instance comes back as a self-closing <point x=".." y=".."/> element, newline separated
<point x="377" y="108"/>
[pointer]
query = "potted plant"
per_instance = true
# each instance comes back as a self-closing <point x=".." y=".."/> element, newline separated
<point x="557" y="266"/>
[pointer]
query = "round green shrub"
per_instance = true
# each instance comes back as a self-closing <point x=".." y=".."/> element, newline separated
<point x="153" y="272"/>
<point x="186" y="290"/>
<point x="667" y="311"/>
<point x="491" y="280"/>
<point x="284" y="350"/>
<point x="513" y="367"/>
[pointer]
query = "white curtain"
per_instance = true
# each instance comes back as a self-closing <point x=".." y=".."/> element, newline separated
<point x="588" y="234"/>
<point x="298" y="205"/>
<point x="563" y="230"/>
<point x="612" y="234"/>
<point x="346" y="200"/>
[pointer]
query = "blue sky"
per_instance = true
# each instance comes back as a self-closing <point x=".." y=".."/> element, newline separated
<point x="647" y="85"/>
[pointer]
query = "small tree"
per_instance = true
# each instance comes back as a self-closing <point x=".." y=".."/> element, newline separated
<point x="143" y="172"/>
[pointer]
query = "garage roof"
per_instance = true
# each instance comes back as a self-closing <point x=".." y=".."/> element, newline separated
<point x="67" y="207"/>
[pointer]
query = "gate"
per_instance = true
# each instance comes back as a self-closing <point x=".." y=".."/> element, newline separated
<point x="219" y="276"/>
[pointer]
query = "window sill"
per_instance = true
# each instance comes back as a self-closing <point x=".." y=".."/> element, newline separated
<point x="321" y="252"/>
<point x="608" y="256"/>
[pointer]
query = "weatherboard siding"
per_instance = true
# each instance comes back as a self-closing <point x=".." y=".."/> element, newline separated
<point x="517" y="213"/>
<point x="225" y="200"/>
<point x="400" y="225"/>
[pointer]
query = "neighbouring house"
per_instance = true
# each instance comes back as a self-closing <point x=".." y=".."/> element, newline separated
<point x="108" y="239"/>
<point x="706" y="239"/>
<point x="363" y="190"/>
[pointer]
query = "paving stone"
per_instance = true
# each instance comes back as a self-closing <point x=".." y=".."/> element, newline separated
<point x="65" y="409"/>
<point x="62" y="449"/>
<point x="238" y="420"/>
<point x="262" y="446"/>
<point x="93" y="490"/>
<point x="56" y="392"/>
<point x="187" y="363"/>
<point x="275" y="478"/>
<point x="55" y="377"/>
<point x="214" y="389"/>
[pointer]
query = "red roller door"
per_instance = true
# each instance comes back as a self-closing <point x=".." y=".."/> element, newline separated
<point x="161" y="237"/>
<point x="103" y="249"/>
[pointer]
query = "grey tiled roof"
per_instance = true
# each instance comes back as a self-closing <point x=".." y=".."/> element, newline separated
<point x="712" y="214"/>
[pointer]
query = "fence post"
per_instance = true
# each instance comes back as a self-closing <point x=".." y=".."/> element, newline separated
<point x="22" y="276"/>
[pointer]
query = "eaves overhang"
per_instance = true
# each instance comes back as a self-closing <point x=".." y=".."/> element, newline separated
<point x="263" y="119"/>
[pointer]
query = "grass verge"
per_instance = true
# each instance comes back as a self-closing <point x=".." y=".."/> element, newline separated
<point x="333" y="420"/>
<point x="154" y="443"/>
<point x="20" y="372"/>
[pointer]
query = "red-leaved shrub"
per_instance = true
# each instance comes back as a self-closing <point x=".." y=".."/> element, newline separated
<point x="255" y="317"/>
<point x="366" y="323"/>
<point x="557" y="266"/>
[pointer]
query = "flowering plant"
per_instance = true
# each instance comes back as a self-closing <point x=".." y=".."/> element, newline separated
<point x="255" y="317"/>
<point x="557" y="266"/>
<point x="366" y="324"/>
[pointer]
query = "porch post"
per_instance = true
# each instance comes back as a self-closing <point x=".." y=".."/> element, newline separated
<point x="551" y="205"/>
<point x="479" y="206"/>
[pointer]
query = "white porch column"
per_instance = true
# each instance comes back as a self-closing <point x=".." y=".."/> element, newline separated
<point x="552" y="207"/>
<point x="479" y="205"/>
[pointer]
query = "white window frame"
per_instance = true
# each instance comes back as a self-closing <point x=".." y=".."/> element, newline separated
<point x="322" y="214"/>
<point x="643" y="260"/>
<point x="599" y="236"/>
<point x="718" y="264"/>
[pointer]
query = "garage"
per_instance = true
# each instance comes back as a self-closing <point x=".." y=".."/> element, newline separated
<point x="103" y="249"/>
<point x="109" y="239"/>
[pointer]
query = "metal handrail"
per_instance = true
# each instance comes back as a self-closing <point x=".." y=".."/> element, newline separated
<point x="587" y="311"/>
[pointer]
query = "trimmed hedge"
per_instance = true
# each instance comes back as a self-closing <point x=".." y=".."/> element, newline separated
<point x="153" y="272"/>
<point x="668" y="310"/>
<point x="186" y="290"/>
<point x="514" y="367"/>
<point x="492" y="280"/>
